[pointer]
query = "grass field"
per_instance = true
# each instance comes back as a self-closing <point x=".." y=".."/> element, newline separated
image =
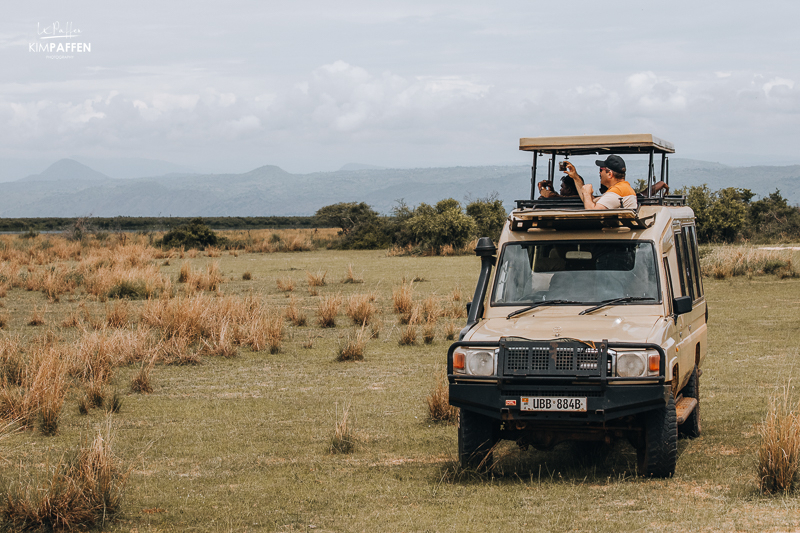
<point x="243" y="443"/>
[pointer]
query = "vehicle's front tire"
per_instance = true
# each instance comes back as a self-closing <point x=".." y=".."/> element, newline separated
<point x="659" y="454"/>
<point x="477" y="435"/>
<point x="691" y="427"/>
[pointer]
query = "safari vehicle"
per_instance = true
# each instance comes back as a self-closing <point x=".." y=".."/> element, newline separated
<point x="585" y="325"/>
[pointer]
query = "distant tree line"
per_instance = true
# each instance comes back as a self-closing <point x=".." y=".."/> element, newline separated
<point x="425" y="227"/>
<point x="111" y="224"/>
<point x="731" y="214"/>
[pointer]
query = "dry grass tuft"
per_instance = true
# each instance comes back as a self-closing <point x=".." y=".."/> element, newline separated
<point x="140" y="383"/>
<point x="429" y="332"/>
<point x="343" y="439"/>
<point x="295" y="315"/>
<point x="285" y="284"/>
<point x="81" y="493"/>
<point x="117" y="315"/>
<point x="327" y="310"/>
<point x="439" y="401"/>
<point x="360" y="309"/>
<point x="37" y="317"/>
<point x="351" y="347"/>
<point x="408" y="337"/>
<point x="450" y="331"/>
<point x="317" y="279"/>
<point x="350" y="277"/>
<point x="71" y="321"/>
<point x="779" y="451"/>
<point x="247" y="276"/>
<point x="5" y="318"/>
<point x="113" y="403"/>
<point x="727" y="261"/>
<point x="309" y="342"/>
<point x="402" y="297"/>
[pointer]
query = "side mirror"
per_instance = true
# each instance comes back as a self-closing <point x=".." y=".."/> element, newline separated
<point x="682" y="304"/>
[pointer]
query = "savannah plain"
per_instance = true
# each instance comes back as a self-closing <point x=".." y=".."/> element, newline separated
<point x="209" y="382"/>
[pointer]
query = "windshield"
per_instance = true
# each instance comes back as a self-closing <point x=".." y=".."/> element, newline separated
<point x="583" y="272"/>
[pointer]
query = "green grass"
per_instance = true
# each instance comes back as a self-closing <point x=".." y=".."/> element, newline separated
<point x="242" y="444"/>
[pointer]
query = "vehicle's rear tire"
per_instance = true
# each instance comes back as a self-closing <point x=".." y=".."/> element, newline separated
<point x="691" y="427"/>
<point x="477" y="435"/>
<point x="659" y="454"/>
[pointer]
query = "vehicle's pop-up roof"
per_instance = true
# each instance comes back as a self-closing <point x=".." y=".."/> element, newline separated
<point x="632" y="143"/>
<point x="602" y="145"/>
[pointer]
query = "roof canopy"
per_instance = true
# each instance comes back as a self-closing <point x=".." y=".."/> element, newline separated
<point x="632" y="143"/>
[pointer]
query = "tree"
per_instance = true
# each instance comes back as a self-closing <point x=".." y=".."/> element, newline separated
<point x="489" y="216"/>
<point x="446" y="223"/>
<point x="346" y="215"/>
<point x="721" y="215"/>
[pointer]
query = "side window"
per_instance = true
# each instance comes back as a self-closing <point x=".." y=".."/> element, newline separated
<point x="686" y="281"/>
<point x="670" y="293"/>
<point x="692" y="240"/>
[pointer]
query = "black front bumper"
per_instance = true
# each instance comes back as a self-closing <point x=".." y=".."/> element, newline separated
<point x="607" y="397"/>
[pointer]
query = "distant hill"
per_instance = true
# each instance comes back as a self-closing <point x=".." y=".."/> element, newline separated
<point x="67" y="170"/>
<point x="68" y="188"/>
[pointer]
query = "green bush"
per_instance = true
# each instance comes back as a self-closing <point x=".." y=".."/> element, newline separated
<point x="489" y="216"/>
<point x="195" y="234"/>
<point x="433" y="227"/>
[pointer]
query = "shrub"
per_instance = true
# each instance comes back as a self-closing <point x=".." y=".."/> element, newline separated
<point x="194" y="234"/>
<point x="434" y="227"/>
<point x="489" y="216"/>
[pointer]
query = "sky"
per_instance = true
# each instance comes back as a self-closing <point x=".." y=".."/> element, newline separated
<point x="310" y="86"/>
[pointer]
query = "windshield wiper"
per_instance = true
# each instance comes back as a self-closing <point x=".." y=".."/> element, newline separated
<point x="540" y="304"/>
<point x="616" y="301"/>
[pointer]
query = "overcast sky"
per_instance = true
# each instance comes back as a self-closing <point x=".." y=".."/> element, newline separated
<point x="312" y="85"/>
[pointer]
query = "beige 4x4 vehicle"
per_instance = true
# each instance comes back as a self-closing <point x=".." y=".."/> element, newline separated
<point x="585" y="325"/>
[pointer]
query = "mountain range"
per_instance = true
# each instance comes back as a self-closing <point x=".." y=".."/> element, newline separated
<point x="69" y="188"/>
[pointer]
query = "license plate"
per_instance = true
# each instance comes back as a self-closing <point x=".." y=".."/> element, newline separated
<point x="553" y="403"/>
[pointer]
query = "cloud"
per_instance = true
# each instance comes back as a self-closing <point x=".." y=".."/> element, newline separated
<point x="340" y="112"/>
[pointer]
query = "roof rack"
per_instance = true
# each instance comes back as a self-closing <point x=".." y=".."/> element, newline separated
<point x="574" y="203"/>
<point x="632" y="143"/>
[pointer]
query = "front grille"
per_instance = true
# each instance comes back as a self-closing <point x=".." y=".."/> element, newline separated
<point x="552" y="393"/>
<point x="560" y="358"/>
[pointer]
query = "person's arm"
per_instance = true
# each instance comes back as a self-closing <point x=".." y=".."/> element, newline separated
<point x="546" y="190"/>
<point x="587" y="196"/>
<point x="579" y="183"/>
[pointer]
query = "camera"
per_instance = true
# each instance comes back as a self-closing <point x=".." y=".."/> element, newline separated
<point x="562" y="166"/>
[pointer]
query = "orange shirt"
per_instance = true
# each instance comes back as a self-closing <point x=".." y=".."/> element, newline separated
<point x="623" y="188"/>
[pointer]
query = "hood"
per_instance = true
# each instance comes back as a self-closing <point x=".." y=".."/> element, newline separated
<point x="591" y="327"/>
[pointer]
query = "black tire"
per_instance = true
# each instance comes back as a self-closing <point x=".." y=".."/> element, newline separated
<point x="691" y="428"/>
<point x="477" y="435"/>
<point x="659" y="454"/>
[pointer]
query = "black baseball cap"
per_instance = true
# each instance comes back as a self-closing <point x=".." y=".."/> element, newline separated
<point x="613" y="162"/>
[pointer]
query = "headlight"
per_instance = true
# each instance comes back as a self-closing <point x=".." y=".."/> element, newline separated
<point x="475" y="362"/>
<point x="636" y="364"/>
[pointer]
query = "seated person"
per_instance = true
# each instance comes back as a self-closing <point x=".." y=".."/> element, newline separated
<point x="620" y="194"/>
<point x="649" y="192"/>
<point x="567" y="190"/>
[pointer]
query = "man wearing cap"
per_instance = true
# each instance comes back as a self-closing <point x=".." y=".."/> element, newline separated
<point x="620" y="194"/>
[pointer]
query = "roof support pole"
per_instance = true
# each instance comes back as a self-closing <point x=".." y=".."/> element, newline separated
<point x="663" y="167"/>
<point x="650" y="172"/>
<point x="533" y="175"/>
